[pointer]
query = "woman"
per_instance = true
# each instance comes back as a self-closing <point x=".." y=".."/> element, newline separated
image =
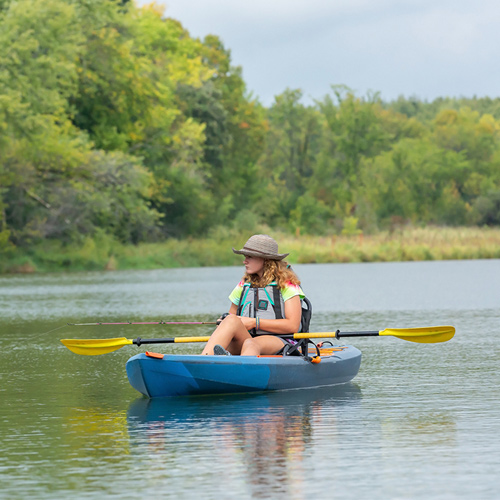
<point x="267" y="301"/>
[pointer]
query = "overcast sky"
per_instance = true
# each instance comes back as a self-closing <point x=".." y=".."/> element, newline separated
<point x="423" y="48"/>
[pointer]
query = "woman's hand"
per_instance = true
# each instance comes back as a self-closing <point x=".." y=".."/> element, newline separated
<point x="232" y="310"/>
<point x="222" y="317"/>
<point x="248" y="323"/>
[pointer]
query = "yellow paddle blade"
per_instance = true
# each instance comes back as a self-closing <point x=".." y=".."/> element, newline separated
<point x="425" y="335"/>
<point x="93" y="347"/>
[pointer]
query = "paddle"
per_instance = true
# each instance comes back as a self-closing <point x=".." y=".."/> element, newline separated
<point x="425" y="335"/>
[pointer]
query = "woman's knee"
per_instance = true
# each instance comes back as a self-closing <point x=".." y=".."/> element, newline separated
<point x="250" y="346"/>
<point x="231" y="321"/>
<point x="233" y="324"/>
<point x="249" y="342"/>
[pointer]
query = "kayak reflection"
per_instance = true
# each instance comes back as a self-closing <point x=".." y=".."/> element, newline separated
<point x="266" y="435"/>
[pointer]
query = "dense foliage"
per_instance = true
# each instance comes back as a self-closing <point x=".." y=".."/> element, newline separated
<point x="115" y="121"/>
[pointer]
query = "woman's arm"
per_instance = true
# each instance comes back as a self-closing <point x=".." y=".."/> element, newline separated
<point x="290" y="323"/>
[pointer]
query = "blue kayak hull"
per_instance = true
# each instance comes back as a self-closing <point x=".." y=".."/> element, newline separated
<point x="187" y="375"/>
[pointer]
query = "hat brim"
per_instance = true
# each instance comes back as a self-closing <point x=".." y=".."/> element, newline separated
<point x="262" y="255"/>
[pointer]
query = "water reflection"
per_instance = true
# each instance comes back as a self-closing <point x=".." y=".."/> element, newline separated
<point x="264" y="437"/>
<point x="95" y="433"/>
<point x="427" y="430"/>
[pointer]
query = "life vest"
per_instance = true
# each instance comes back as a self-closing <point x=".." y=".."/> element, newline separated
<point x="268" y="303"/>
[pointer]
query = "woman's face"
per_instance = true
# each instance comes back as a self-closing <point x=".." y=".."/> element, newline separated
<point x="254" y="265"/>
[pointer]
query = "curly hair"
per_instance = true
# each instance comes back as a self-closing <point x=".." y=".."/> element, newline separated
<point x="274" y="270"/>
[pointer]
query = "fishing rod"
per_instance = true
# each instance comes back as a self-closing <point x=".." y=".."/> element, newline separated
<point x="148" y="323"/>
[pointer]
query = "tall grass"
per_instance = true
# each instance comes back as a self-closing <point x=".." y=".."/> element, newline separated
<point x="408" y="244"/>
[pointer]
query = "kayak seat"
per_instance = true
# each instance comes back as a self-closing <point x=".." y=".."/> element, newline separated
<point x="301" y="348"/>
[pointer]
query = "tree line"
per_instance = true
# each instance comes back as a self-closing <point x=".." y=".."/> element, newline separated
<point x="114" y="120"/>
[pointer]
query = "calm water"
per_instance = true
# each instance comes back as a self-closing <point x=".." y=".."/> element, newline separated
<point x="420" y="421"/>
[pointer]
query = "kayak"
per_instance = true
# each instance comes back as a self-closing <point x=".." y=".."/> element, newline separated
<point x="165" y="375"/>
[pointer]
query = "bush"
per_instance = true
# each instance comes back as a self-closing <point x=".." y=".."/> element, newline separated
<point x="309" y="216"/>
<point x="487" y="209"/>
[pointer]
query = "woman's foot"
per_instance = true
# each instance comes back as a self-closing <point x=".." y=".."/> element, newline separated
<point x="220" y="351"/>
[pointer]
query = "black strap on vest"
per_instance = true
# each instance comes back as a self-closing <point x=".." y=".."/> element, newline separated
<point x="277" y="302"/>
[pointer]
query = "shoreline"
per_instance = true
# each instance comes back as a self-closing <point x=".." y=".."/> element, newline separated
<point x="401" y="245"/>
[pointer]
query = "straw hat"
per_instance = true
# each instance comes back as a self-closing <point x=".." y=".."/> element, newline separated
<point x="261" y="245"/>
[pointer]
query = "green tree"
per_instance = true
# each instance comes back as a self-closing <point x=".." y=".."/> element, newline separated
<point x="487" y="209"/>
<point x="38" y="74"/>
<point x="170" y="140"/>
<point x="356" y="129"/>
<point x="235" y="173"/>
<point x="52" y="181"/>
<point x="415" y="181"/>
<point x="288" y="161"/>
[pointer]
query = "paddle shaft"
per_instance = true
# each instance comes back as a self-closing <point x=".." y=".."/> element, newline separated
<point x="177" y="340"/>
<point x="138" y="341"/>
<point x="338" y="334"/>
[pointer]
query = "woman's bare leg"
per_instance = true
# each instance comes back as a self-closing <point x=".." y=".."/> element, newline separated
<point x="266" y="344"/>
<point x="230" y="334"/>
